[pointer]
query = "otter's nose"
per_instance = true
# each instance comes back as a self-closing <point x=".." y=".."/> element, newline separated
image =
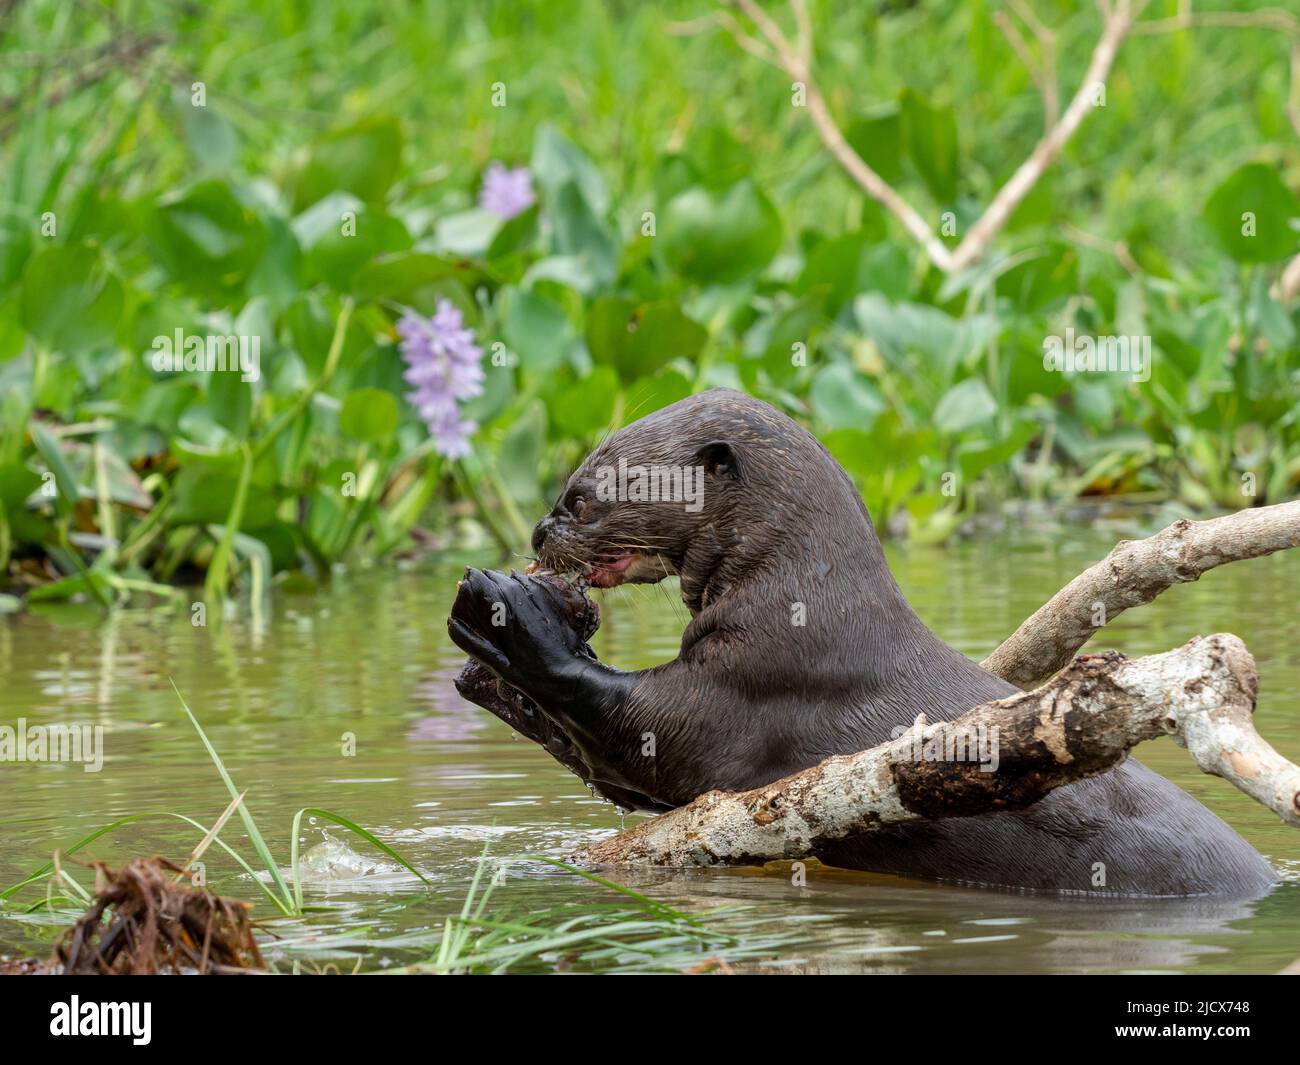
<point x="542" y="531"/>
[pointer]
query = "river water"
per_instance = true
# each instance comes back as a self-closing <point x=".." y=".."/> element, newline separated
<point x="281" y="690"/>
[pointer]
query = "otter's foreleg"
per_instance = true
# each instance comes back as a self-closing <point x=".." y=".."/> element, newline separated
<point x="481" y="686"/>
<point x="536" y="672"/>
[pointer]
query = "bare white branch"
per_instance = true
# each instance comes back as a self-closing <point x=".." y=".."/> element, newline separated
<point x="1118" y="19"/>
<point x="1135" y="572"/>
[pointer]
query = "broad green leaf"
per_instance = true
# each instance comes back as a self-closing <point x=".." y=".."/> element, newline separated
<point x="853" y="449"/>
<point x="930" y="136"/>
<point x="498" y="391"/>
<point x="841" y="267"/>
<point x="964" y="406"/>
<point x="975" y="456"/>
<point x="1250" y="215"/>
<point x="363" y="159"/>
<point x="204" y="497"/>
<point x="17" y="482"/>
<point x="900" y="328"/>
<point x="467" y="233"/>
<point x="369" y="414"/>
<point x="207" y="237"/>
<point x="77" y="584"/>
<point x="536" y="330"/>
<point x="12" y="335"/>
<point x="654" y="393"/>
<point x="516" y="235"/>
<point x="717" y="156"/>
<point x="520" y="456"/>
<point x="579" y="233"/>
<point x="339" y="235"/>
<point x="212" y="139"/>
<point x="1027" y="373"/>
<point x="585" y="407"/>
<point x="639" y="339"/>
<point x="411" y="277"/>
<point x="51" y="450"/>
<point x="557" y="161"/>
<point x="790" y="339"/>
<point x="844" y="399"/>
<point x="719" y="236"/>
<point x="878" y="139"/>
<point x="675" y="173"/>
<point x="1042" y="281"/>
<point x="70" y="300"/>
<point x="230" y="399"/>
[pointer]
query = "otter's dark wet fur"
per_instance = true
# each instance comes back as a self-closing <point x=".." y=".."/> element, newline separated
<point x="782" y="537"/>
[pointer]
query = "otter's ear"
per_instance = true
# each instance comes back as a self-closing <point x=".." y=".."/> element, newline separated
<point x="717" y="458"/>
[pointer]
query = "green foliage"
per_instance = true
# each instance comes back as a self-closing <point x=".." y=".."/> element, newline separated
<point x="929" y="135"/>
<point x="689" y="231"/>
<point x="718" y="236"/>
<point x="1252" y="213"/>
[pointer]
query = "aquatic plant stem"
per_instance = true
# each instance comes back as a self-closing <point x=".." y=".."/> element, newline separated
<point x="289" y="416"/>
<point x="521" y="528"/>
<point x="214" y="583"/>
<point x="465" y="483"/>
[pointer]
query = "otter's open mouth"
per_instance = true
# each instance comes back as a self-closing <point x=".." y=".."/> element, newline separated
<point x="609" y="571"/>
<point x="609" y="574"/>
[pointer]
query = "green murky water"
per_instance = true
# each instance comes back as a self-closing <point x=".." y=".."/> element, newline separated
<point x="437" y="778"/>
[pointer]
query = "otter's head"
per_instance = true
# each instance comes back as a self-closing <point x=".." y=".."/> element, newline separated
<point x="701" y="488"/>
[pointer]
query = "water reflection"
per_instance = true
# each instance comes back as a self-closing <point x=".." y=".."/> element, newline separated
<point x="438" y="778"/>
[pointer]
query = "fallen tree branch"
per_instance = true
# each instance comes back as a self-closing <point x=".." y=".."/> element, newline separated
<point x="1134" y="573"/>
<point x="1083" y="723"/>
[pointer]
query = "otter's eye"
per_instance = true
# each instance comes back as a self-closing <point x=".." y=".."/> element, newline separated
<point x="578" y="508"/>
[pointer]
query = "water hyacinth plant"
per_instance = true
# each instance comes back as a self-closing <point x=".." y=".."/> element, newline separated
<point x="444" y="366"/>
<point x="507" y="192"/>
<point x="674" y="232"/>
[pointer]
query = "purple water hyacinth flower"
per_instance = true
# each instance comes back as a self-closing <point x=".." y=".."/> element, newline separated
<point x="443" y="366"/>
<point x="507" y="192"/>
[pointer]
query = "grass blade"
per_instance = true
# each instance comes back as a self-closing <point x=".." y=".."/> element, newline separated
<point x="644" y="901"/>
<point x="351" y="826"/>
<point x="259" y="844"/>
<point x="48" y="868"/>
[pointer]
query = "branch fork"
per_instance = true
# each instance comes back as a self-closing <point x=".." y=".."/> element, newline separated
<point x="1119" y="20"/>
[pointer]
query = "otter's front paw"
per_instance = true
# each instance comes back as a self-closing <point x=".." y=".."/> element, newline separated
<point x="524" y="629"/>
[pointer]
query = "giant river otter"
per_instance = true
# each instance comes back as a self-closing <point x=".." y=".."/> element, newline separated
<point x="801" y="646"/>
